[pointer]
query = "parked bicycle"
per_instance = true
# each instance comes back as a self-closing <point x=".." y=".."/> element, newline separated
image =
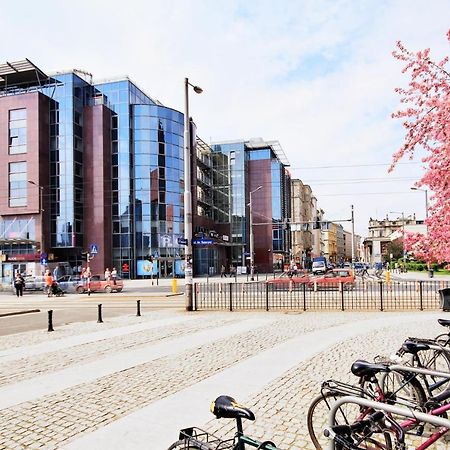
<point x="194" y="438"/>
<point x="409" y="393"/>
<point x="380" y="429"/>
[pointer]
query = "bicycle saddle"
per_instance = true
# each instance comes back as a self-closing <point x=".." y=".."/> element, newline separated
<point x="362" y="368"/>
<point x="444" y="322"/>
<point x="227" y="407"/>
<point x="414" y="347"/>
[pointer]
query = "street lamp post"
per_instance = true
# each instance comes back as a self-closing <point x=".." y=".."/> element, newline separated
<point x="426" y="199"/>
<point x="188" y="197"/>
<point x="252" y="244"/>
<point x="403" y="232"/>
<point x="430" y="272"/>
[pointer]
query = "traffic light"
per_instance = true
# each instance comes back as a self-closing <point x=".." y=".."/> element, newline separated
<point x="316" y="225"/>
<point x="85" y="256"/>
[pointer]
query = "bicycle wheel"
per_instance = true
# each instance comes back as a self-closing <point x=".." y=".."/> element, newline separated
<point x="348" y="413"/>
<point x="400" y="389"/>
<point x="438" y="360"/>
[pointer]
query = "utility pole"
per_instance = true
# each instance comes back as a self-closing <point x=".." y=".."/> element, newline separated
<point x="353" y="236"/>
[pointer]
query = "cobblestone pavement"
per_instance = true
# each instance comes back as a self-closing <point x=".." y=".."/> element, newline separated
<point x="54" y="420"/>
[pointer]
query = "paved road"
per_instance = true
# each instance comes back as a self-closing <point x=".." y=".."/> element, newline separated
<point x="132" y="382"/>
<point x="75" y="308"/>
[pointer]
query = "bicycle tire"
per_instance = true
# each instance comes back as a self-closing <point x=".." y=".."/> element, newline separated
<point x="438" y="360"/>
<point x="183" y="445"/>
<point x="410" y="395"/>
<point x="317" y="420"/>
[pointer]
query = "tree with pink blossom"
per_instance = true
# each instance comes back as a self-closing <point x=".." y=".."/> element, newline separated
<point x="426" y="119"/>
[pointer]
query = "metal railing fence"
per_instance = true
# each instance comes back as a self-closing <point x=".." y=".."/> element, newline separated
<point x="363" y="296"/>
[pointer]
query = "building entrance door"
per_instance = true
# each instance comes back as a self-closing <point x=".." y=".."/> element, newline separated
<point x="21" y="268"/>
<point x="166" y="267"/>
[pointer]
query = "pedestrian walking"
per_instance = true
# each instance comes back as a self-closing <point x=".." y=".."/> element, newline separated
<point x="48" y="282"/>
<point x="19" y="283"/>
<point x="232" y="271"/>
<point x="114" y="275"/>
<point x="223" y="272"/>
<point x="107" y="274"/>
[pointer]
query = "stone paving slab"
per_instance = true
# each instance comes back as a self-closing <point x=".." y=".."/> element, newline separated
<point x="102" y="400"/>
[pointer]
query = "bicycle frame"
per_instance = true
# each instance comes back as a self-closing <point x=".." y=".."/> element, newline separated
<point x="376" y="406"/>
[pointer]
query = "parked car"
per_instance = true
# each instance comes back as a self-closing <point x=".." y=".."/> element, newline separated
<point x="99" y="284"/>
<point x="287" y="281"/>
<point x="332" y="280"/>
<point x="34" y="283"/>
<point x="69" y="283"/>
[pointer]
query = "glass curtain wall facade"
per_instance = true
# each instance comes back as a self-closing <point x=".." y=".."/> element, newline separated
<point x="69" y="94"/>
<point x="147" y="174"/>
<point x="158" y="190"/>
<point x="236" y="156"/>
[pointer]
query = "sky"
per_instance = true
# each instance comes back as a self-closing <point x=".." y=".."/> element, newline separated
<point x="318" y="76"/>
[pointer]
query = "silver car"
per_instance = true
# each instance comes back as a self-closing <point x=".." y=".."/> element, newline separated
<point x="34" y="283"/>
<point x="69" y="283"/>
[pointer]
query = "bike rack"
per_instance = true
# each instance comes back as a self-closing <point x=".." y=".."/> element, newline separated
<point x="431" y="373"/>
<point x="420" y="417"/>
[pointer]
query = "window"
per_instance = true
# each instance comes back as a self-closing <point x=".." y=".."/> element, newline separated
<point x="17" y="131"/>
<point x="18" y="184"/>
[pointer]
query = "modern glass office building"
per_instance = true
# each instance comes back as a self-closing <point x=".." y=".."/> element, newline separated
<point x="104" y="162"/>
<point x="259" y="167"/>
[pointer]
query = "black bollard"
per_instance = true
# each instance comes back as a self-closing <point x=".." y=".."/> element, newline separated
<point x="50" y="320"/>
<point x="99" y="318"/>
<point x="138" y="313"/>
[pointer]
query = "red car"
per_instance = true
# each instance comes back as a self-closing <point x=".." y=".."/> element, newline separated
<point x="302" y="278"/>
<point x="332" y="280"/>
<point x="99" y="284"/>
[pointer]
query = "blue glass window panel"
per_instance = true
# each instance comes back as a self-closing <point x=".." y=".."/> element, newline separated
<point x="124" y="147"/>
<point x="124" y="96"/>
<point x="142" y="172"/>
<point x="142" y="135"/>
<point x="259" y="154"/>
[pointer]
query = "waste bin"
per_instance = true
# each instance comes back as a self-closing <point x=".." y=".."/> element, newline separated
<point x="445" y="299"/>
<point x="431" y="273"/>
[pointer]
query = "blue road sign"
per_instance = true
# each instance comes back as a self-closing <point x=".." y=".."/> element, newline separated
<point x="44" y="261"/>
<point x="182" y="241"/>
<point x="93" y="249"/>
<point x="202" y="241"/>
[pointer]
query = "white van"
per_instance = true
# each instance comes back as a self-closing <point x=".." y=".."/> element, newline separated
<point x="319" y="267"/>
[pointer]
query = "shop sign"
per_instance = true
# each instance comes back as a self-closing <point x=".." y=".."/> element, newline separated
<point x="23" y="257"/>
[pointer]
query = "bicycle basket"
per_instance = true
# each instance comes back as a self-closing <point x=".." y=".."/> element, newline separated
<point x="197" y="438"/>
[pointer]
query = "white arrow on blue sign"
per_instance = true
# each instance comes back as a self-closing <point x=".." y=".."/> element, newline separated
<point x="94" y="249"/>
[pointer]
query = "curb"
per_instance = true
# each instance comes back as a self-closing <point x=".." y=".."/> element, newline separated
<point x="173" y="295"/>
<point x="16" y="313"/>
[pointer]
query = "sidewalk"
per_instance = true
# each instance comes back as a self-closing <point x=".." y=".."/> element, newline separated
<point x="133" y="382"/>
<point x="419" y="276"/>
